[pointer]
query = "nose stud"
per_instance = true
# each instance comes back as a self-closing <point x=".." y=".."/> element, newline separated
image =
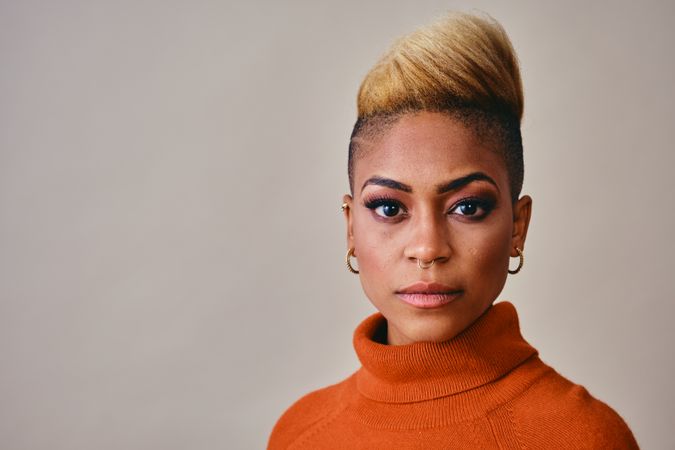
<point x="425" y="265"/>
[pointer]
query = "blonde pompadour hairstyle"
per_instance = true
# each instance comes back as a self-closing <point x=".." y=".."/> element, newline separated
<point x="464" y="65"/>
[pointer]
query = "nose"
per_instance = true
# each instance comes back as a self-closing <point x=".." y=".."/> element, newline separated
<point x="429" y="239"/>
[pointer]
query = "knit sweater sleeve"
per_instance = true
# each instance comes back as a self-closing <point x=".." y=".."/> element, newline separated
<point x="557" y="413"/>
<point x="306" y="416"/>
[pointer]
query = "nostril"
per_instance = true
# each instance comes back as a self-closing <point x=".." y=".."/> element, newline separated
<point x="428" y="242"/>
<point x="425" y="264"/>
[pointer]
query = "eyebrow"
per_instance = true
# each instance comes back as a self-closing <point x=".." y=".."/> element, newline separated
<point x="463" y="181"/>
<point x="387" y="182"/>
<point x="440" y="189"/>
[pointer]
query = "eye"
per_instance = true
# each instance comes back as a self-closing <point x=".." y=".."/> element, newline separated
<point x="388" y="210"/>
<point x="385" y="207"/>
<point x="472" y="207"/>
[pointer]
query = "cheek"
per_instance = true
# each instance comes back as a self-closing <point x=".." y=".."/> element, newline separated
<point x="488" y="251"/>
<point x="376" y="248"/>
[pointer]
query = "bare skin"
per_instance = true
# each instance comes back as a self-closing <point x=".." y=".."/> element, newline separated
<point x="469" y="232"/>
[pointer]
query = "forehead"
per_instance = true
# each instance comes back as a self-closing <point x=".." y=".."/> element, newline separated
<point x="426" y="148"/>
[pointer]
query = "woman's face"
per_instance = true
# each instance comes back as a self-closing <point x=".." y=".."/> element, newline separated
<point x="428" y="190"/>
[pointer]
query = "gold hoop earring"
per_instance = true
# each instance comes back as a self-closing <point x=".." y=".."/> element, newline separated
<point x="344" y="206"/>
<point x="350" y="253"/>
<point x="520" y="263"/>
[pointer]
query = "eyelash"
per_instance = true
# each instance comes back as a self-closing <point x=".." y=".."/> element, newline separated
<point x="384" y="200"/>
<point x="487" y="205"/>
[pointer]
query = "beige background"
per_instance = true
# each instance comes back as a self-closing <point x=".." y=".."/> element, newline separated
<point x="171" y="247"/>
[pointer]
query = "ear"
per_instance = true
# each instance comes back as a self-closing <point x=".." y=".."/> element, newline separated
<point x="347" y="212"/>
<point x="522" y="211"/>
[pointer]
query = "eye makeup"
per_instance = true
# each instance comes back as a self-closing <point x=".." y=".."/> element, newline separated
<point x="389" y="206"/>
<point x="470" y="208"/>
<point x="381" y="199"/>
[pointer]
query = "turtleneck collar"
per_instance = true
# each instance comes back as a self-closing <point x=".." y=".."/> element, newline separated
<point x="485" y="351"/>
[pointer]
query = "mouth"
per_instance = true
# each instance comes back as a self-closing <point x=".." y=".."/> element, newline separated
<point x="428" y="295"/>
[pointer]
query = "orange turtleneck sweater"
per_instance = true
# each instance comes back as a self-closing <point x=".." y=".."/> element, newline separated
<point x="484" y="389"/>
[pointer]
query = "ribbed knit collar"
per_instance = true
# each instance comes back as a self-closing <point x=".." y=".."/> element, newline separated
<point x="484" y="352"/>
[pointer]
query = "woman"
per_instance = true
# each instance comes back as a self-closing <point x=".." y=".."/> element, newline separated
<point x="435" y="212"/>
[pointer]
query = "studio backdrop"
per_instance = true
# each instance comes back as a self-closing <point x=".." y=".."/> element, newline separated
<point x="171" y="240"/>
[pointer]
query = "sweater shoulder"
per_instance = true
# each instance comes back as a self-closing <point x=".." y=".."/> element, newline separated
<point x="567" y="415"/>
<point x="308" y="413"/>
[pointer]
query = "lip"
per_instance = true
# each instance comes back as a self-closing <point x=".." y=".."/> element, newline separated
<point x="428" y="295"/>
